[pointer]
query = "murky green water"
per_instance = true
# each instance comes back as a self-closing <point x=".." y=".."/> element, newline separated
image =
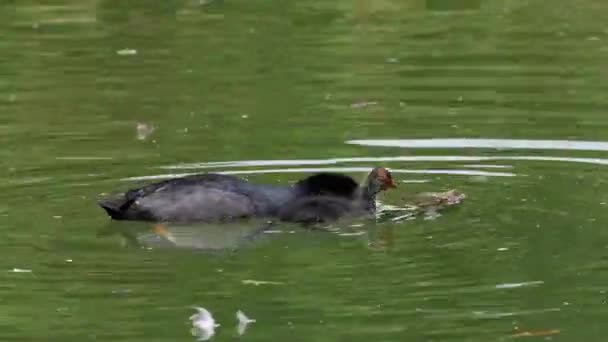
<point x="287" y="85"/>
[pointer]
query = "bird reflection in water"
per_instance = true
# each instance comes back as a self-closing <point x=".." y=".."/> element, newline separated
<point x="188" y="236"/>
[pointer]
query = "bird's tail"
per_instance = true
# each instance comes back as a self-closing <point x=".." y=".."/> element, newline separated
<point x="115" y="208"/>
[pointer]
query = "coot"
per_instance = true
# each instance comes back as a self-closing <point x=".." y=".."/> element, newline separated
<point x="216" y="197"/>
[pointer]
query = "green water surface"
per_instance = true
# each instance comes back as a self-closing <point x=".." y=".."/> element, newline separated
<point x="235" y="80"/>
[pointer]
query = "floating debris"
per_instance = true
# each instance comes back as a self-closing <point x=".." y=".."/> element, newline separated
<point x="516" y="285"/>
<point x="363" y="104"/>
<point x="426" y="204"/>
<point x="20" y="270"/>
<point x="352" y="234"/>
<point x="126" y="52"/>
<point x="203" y="324"/>
<point x="273" y="232"/>
<point x="144" y="130"/>
<point x="243" y="322"/>
<point x="261" y="282"/>
<point x="439" y="200"/>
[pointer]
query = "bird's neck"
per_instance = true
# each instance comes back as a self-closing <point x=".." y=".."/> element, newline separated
<point x="367" y="195"/>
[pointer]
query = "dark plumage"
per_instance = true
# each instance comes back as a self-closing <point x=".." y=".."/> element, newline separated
<point x="215" y="197"/>
<point x="204" y="197"/>
<point x="331" y="206"/>
<point x="316" y="209"/>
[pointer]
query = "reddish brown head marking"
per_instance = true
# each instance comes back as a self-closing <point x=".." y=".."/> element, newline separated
<point x="384" y="178"/>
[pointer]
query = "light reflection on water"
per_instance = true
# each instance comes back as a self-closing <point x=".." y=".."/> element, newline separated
<point x="205" y="236"/>
<point x="335" y="169"/>
<point x="487" y="143"/>
<point x="295" y="162"/>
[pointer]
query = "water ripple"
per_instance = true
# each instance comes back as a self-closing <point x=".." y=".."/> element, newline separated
<point x="333" y="169"/>
<point x="487" y="143"/>
<point x="329" y="161"/>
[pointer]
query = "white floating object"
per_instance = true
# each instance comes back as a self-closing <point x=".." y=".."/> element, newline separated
<point x="516" y="285"/>
<point x="351" y="234"/>
<point x="20" y="270"/>
<point x="203" y="324"/>
<point x="126" y="52"/>
<point x="363" y="104"/>
<point x="144" y="130"/>
<point x="243" y="322"/>
<point x="260" y="282"/>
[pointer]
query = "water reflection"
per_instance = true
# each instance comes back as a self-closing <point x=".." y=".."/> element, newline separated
<point x="181" y="236"/>
<point x="238" y="235"/>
